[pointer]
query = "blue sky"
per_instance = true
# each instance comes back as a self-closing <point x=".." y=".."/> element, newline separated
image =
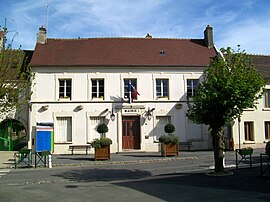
<point x="244" y="22"/>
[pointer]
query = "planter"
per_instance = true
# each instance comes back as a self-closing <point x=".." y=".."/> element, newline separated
<point x="244" y="152"/>
<point x="102" y="153"/>
<point x="169" y="150"/>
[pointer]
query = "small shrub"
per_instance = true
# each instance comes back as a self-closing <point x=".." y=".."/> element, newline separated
<point x="169" y="139"/>
<point x="169" y="128"/>
<point x="102" y="128"/>
<point x="98" y="143"/>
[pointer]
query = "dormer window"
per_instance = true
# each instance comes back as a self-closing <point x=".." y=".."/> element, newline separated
<point x="162" y="52"/>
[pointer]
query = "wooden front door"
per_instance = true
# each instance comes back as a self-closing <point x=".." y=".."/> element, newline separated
<point x="131" y="132"/>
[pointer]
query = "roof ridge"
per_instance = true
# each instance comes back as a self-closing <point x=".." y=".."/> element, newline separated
<point x="159" y="38"/>
<point x="266" y="55"/>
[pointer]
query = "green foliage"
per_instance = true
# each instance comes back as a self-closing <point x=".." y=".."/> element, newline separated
<point x="15" y="79"/>
<point x="169" y="139"/>
<point x="169" y="128"/>
<point x="230" y="85"/>
<point x="102" y="128"/>
<point x="98" y="143"/>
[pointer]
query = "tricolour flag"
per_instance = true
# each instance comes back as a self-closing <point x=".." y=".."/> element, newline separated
<point x="132" y="92"/>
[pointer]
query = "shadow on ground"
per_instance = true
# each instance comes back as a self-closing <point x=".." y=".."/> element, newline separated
<point x="244" y="185"/>
<point x="98" y="174"/>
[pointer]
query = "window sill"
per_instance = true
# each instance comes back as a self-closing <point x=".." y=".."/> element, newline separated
<point x="97" y="99"/>
<point x="162" y="98"/>
<point x="266" y="109"/>
<point x="249" y="142"/>
<point x="62" y="143"/>
<point x="64" y="99"/>
<point x="249" y="109"/>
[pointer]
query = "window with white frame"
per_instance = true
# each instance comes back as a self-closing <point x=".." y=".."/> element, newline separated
<point x="63" y="131"/>
<point x="97" y="88"/>
<point x="267" y="129"/>
<point x="95" y="121"/>
<point x="133" y="89"/>
<point x="162" y="88"/>
<point x="65" y="88"/>
<point x="267" y="98"/>
<point x="161" y="121"/>
<point x="249" y="130"/>
<point x="192" y="85"/>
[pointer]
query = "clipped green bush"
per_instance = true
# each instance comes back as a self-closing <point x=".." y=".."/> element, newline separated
<point x="99" y="142"/>
<point x="169" y="128"/>
<point x="169" y="139"/>
<point x="102" y="128"/>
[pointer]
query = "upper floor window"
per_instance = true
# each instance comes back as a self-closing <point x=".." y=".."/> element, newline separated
<point x="249" y="131"/>
<point x="162" y="88"/>
<point x="130" y="88"/>
<point x="267" y="98"/>
<point x="192" y="85"/>
<point x="65" y="88"/>
<point x="97" y="88"/>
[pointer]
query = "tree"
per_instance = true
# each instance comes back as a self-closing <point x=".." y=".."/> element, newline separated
<point x="229" y="85"/>
<point x="15" y="78"/>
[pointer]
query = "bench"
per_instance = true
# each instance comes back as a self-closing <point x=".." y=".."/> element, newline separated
<point x="185" y="144"/>
<point x="85" y="147"/>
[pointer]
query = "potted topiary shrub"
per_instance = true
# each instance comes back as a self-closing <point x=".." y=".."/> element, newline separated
<point x="102" y="145"/>
<point x="170" y="142"/>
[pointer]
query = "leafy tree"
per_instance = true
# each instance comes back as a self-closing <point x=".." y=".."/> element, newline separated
<point x="230" y="85"/>
<point x="15" y="78"/>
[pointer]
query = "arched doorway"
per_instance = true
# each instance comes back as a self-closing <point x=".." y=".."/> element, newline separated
<point x="12" y="135"/>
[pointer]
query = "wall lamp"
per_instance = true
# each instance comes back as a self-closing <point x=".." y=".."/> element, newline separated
<point x="149" y="113"/>
<point x="112" y="114"/>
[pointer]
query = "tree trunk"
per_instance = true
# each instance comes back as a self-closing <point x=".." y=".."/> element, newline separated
<point x="218" y="145"/>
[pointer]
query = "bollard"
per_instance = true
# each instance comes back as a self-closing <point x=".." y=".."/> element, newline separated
<point x="50" y="161"/>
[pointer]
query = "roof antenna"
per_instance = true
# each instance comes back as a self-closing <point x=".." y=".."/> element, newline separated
<point x="47" y="11"/>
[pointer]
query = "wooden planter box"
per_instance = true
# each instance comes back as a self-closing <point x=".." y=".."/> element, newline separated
<point x="103" y="153"/>
<point x="169" y="150"/>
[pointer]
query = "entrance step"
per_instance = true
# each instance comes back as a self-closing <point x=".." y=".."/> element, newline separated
<point x="6" y="159"/>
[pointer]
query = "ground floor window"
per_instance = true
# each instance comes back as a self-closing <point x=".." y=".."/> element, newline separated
<point x="267" y="129"/>
<point x="161" y="122"/>
<point x="94" y="122"/>
<point x="63" y="132"/>
<point x="249" y="131"/>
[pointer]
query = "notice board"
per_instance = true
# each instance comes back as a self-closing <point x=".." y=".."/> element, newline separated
<point x="44" y="138"/>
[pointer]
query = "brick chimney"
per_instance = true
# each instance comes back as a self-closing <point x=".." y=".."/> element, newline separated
<point x="208" y="36"/>
<point x="148" y="36"/>
<point x="41" y="36"/>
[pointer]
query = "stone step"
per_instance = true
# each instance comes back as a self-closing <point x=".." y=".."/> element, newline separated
<point x="6" y="159"/>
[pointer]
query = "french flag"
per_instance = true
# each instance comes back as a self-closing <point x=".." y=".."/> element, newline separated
<point x="132" y="91"/>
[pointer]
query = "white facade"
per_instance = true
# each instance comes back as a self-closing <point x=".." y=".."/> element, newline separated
<point x="85" y="112"/>
<point x="253" y="129"/>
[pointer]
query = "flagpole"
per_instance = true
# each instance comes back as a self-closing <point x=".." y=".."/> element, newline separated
<point x="129" y="92"/>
